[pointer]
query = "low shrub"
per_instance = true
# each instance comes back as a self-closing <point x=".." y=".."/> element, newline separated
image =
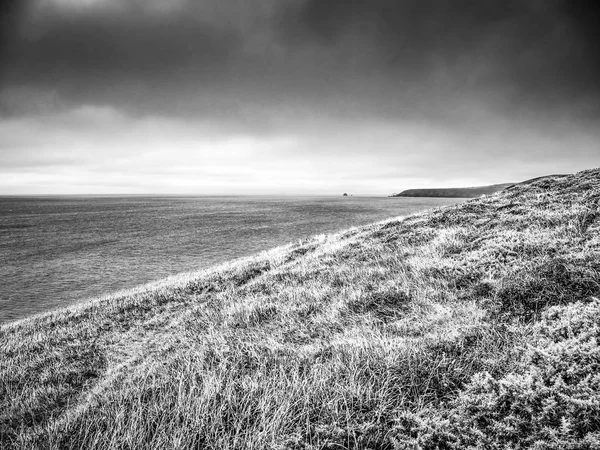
<point x="551" y="402"/>
<point x="550" y="282"/>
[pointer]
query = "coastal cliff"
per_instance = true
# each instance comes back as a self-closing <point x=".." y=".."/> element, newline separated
<point x="468" y="326"/>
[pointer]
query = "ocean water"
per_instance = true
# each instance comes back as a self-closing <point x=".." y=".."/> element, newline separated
<point x="55" y="251"/>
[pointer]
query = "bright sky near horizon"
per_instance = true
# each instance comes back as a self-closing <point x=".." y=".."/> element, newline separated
<point x="294" y="96"/>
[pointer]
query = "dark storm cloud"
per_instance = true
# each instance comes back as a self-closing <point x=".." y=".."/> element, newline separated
<point x="60" y="47"/>
<point x="12" y="13"/>
<point x="536" y="50"/>
<point x="167" y="57"/>
<point x="585" y="15"/>
<point x="382" y="53"/>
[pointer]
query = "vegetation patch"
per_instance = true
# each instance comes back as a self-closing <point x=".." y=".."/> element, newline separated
<point x="551" y="400"/>
<point x="550" y="282"/>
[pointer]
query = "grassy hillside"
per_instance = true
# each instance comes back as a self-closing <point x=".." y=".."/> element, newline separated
<point x="471" y="326"/>
<point x="468" y="192"/>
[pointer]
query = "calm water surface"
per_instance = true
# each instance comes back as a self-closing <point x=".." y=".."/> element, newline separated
<point x="55" y="251"/>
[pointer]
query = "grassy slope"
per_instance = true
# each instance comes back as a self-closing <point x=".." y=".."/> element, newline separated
<point x="437" y="331"/>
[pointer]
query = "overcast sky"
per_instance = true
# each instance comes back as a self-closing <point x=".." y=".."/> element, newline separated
<point x="294" y="96"/>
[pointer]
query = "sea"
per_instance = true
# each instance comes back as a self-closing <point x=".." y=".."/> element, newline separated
<point x="56" y="251"/>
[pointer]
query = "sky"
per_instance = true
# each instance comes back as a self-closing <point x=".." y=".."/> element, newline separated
<point x="294" y="97"/>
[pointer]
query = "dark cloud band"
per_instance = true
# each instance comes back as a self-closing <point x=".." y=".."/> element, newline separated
<point x="381" y="56"/>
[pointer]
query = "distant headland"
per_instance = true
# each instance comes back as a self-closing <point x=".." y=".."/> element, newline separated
<point x="467" y="192"/>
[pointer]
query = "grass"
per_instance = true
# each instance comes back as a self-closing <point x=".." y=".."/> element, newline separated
<point x="470" y="326"/>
